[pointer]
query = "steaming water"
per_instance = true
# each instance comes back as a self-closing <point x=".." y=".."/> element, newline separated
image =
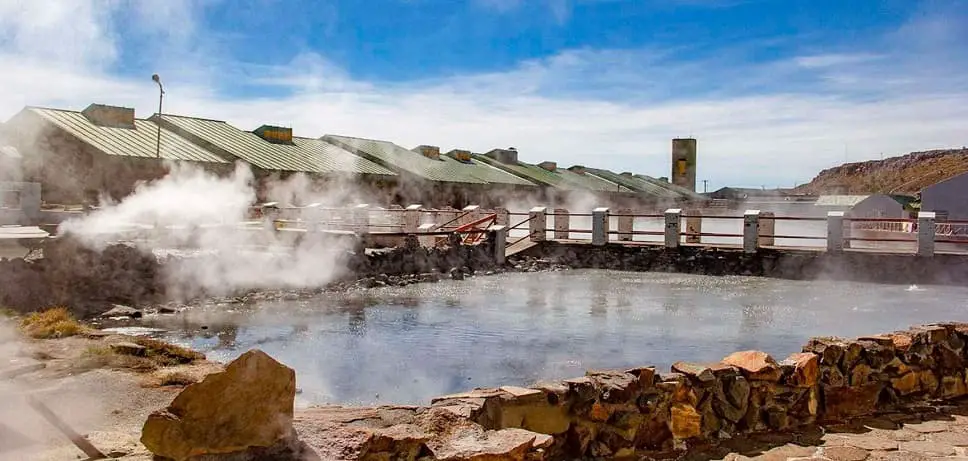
<point x="406" y="345"/>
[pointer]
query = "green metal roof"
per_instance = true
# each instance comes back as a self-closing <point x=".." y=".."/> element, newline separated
<point x="591" y="182"/>
<point x="446" y="169"/>
<point x="560" y="178"/>
<point x="304" y="155"/>
<point x="141" y="141"/>
<point x="531" y="172"/>
<point x="682" y="191"/>
<point x="635" y="184"/>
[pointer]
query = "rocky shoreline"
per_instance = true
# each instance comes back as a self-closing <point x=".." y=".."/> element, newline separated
<point x="698" y="409"/>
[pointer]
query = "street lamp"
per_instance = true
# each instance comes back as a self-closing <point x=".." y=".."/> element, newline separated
<point x="161" y="97"/>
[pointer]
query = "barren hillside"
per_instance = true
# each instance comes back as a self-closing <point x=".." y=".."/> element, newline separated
<point x="904" y="174"/>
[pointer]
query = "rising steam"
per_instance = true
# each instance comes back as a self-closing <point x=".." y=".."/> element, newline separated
<point x="205" y="218"/>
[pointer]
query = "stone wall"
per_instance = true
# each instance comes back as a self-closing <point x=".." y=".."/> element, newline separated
<point x="787" y="264"/>
<point x="618" y="414"/>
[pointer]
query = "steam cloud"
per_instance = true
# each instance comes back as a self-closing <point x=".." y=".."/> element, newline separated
<point x="201" y="216"/>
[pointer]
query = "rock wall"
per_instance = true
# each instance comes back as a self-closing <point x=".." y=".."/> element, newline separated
<point x="84" y="280"/>
<point x="787" y="264"/>
<point x="90" y="282"/>
<point x="626" y="413"/>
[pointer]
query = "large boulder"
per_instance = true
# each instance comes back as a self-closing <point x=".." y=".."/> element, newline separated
<point x="249" y="406"/>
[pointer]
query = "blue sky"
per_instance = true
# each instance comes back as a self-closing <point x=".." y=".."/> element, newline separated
<point x="774" y="90"/>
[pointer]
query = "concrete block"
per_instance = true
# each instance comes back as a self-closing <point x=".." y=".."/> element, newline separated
<point x="599" y="226"/>
<point x="500" y="235"/>
<point x="673" y="223"/>
<point x="751" y="230"/>
<point x="538" y="224"/>
<point x="562" y="224"/>
<point x="626" y="222"/>
<point x="835" y="231"/>
<point x="926" y="233"/>
<point x="694" y="226"/>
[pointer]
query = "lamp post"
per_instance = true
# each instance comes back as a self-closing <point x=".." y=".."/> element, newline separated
<point x="161" y="97"/>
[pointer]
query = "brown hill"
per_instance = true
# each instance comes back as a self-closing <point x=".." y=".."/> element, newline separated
<point x="907" y="174"/>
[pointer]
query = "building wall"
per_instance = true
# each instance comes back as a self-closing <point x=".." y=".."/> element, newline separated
<point x="878" y="206"/>
<point x="72" y="172"/>
<point x="949" y="196"/>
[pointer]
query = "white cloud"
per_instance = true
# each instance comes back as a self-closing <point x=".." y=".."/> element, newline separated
<point x="835" y="59"/>
<point x="773" y="123"/>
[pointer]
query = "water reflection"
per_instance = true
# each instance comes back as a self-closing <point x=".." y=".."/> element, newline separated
<point x="406" y="345"/>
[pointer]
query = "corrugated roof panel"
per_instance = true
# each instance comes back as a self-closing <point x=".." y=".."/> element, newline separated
<point x="681" y="191"/>
<point x="138" y="142"/>
<point x="635" y="183"/>
<point x="304" y="155"/>
<point x="487" y="173"/>
<point x="591" y="182"/>
<point x="407" y="160"/>
<point x="534" y="173"/>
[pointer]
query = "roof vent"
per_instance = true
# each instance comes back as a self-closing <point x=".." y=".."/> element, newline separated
<point x="110" y="116"/>
<point x="507" y="156"/>
<point x="550" y="166"/>
<point x="431" y="152"/>
<point x="578" y="169"/>
<point x="274" y="134"/>
<point x="460" y="155"/>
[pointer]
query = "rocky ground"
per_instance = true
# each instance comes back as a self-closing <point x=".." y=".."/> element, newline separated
<point x="922" y="434"/>
<point x="101" y="385"/>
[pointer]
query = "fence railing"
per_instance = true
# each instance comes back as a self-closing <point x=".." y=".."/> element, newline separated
<point x="671" y="228"/>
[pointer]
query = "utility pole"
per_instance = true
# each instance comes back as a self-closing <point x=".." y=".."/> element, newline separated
<point x="161" y="97"/>
<point x="704" y="183"/>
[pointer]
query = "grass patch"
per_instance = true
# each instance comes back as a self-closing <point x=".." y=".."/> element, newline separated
<point x="101" y="356"/>
<point x="167" y="355"/>
<point x="156" y="354"/>
<point x="176" y="378"/>
<point x="52" y="323"/>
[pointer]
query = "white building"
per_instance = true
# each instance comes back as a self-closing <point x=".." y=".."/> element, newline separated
<point x="864" y="206"/>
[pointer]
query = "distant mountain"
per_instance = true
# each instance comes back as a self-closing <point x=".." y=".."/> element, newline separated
<point x="907" y="174"/>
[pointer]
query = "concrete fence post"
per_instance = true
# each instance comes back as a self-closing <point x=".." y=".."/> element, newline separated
<point x="411" y="218"/>
<point x="311" y="215"/>
<point x="835" y="231"/>
<point x="500" y="235"/>
<point x="694" y="226"/>
<point x="360" y="218"/>
<point x="539" y="222"/>
<point x="751" y="231"/>
<point x="926" y="233"/>
<point x="503" y="216"/>
<point x="673" y="222"/>
<point x="626" y="222"/>
<point x="426" y="240"/>
<point x="767" y="229"/>
<point x="562" y="224"/>
<point x="600" y="226"/>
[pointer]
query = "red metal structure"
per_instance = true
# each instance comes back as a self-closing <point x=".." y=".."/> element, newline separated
<point x="473" y="232"/>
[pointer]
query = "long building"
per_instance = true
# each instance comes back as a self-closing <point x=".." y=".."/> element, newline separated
<point x="80" y="156"/>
